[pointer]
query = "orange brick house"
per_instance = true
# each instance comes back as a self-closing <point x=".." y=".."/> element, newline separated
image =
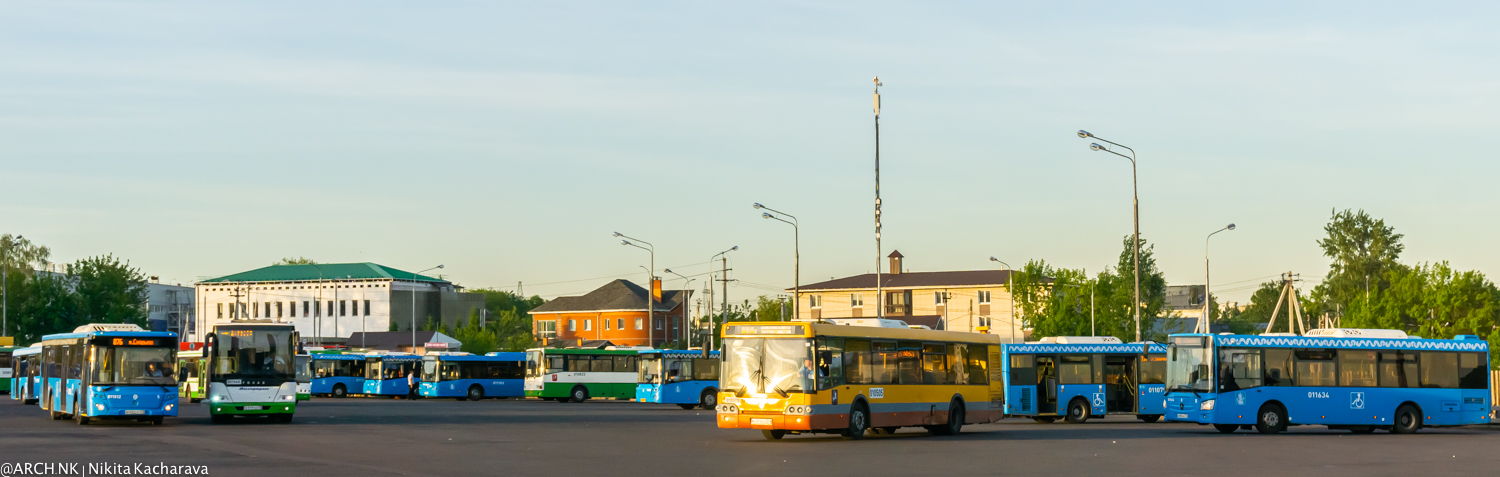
<point x="615" y="312"/>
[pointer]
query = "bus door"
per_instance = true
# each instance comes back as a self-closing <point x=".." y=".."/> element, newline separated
<point x="1046" y="383"/>
<point x="1120" y="386"/>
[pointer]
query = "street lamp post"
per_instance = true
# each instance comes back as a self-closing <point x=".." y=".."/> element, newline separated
<point x="413" y="309"/>
<point x="650" y="285"/>
<point x="1206" y="295"/>
<point x="1135" y="245"/>
<point x="1010" y="281"/>
<point x="686" y="285"/>
<point x="5" y="285"/>
<point x="796" y="253"/>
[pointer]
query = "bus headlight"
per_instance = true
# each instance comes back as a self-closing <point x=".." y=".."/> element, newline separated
<point x="799" y="410"/>
<point x="99" y="407"/>
<point x="288" y="398"/>
<point x="169" y="407"/>
<point x="728" y="409"/>
<point x="218" y="398"/>
<point x="1207" y="405"/>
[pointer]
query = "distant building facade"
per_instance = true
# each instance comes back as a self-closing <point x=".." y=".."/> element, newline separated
<point x="615" y="313"/>
<point x="329" y="302"/>
<point x="965" y="300"/>
<point x="402" y="341"/>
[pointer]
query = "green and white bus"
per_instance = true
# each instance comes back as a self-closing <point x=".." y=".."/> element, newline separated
<point x="252" y="370"/>
<point x="576" y="375"/>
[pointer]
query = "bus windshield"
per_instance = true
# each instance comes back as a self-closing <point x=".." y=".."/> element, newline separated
<point x="768" y="365"/>
<point x="430" y="369"/>
<point x="256" y="353"/>
<point x="649" y="371"/>
<point x="304" y="369"/>
<point x="1189" y="366"/>
<point x="372" y="369"/>
<point x="134" y="366"/>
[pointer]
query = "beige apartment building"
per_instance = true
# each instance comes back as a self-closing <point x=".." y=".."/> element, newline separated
<point x="966" y="300"/>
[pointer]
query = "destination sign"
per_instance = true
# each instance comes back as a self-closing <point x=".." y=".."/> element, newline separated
<point x="127" y="341"/>
<point x="767" y="330"/>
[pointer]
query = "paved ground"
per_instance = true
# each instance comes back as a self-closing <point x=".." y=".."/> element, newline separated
<point x="374" y="437"/>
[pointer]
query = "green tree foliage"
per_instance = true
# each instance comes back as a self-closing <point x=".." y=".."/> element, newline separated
<point x="109" y="291"/>
<point x="1055" y="301"/>
<point x="295" y="261"/>
<point x="1364" y="253"/>
<point x="1258" y="311"/>
<point x="771" y="309"/>
<point x="96" y="290"/>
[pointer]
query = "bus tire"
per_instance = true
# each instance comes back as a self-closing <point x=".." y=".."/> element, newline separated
<point x="284" y="418"/>
<point x="221" y="418"/>
<point x="773" y="434"/>
<point x="476" y="392"/>
<point x="56" y="416"/>
<point x="859" y="421"/>
<point x="955" y="419"/>
<point x="1078" y="411"/>
<point x="1362" y="429"/>
<point x="339" y="391"/>
<point x="687" y="406"/>
<point x="158" y="420"/>
<point x="1408" y="420"/>
<point x="1149" y="417"/>
<point x="578" y="394"/>
<point x="709" y="399"/>
<point x="1227" y="428"/>
<point x="1271" y="419"/>
<point x="81" y="419"/>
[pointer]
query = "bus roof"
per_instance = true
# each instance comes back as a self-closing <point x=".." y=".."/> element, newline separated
<point x="1459" y="343"/>
<point x="1081" y="340"/>
<point x="499" y="356"/>
<point x="1122" y="348"/>
<point x="762" y="329"/>
<point x="679" y="352"/>
<point x="29" y="350"/>
<point x="584" y="351"/>
<point x="127" y="334"/>
<point x="393" y="357"/>
<point x="337" y="357"/>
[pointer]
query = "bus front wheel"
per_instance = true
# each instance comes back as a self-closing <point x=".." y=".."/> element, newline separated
<point x="476" y="393"/>
<point x="773" y="434"/>
<point x="221" y="418"/>
<point x="1408" y="420"/>
<point x="1149" y="417"/>
<point x="708" y="400"/>
<point x="340" y="391"/>
<point x="1078" y="411"/>
<point x="1271" y="419"/>
<point x="1227" y="428"/>
<point x="285" y="418"/>
<point x="579" y="394"/>
<point x="859" y="422"/>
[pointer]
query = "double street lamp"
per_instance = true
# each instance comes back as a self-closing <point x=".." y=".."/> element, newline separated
<point x="413" y="309"/>
<point x="1135" y="245"/>
<point x="650" y="284"/>
<point x="686" y="285"/>
<point x="1206" y="296"/>
<point x="1010" y="287"/>
<point x="796" y="258"/>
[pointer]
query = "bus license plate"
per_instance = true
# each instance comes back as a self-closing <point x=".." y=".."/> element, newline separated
<point x="253" y="408"/>
<point x="760" y="422"/>
<point x="135" y="411"/>
<point x="1182" y="416"/>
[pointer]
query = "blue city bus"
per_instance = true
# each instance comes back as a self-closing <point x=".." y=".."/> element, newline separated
<point x="1078" y="377"/>
<point x="109" y="371"/>
<point x="467" y="376"/>
<point x="690" y="379"/>
<point x="336" y="375"/>
<point x="1349" y="379"/>
<point x="23" y="367"/>
<point x="385" y="374"/>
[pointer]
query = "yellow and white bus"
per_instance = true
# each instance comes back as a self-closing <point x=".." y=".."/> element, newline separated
<point x="819" y="377"/>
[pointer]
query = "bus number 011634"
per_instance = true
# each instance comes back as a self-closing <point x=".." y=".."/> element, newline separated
<point x="1317" y="395"/>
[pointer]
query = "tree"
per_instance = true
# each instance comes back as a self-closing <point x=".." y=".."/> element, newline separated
<point x="109" y="291"/>
<point x="295" y="261"/>
<point x="48" y="305"/>
<point x="1363" y="251"/>
<point x="771" y="309"/>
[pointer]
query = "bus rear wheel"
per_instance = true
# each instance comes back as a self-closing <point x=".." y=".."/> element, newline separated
<point x="1149" y="417"/>
<point x="773" y="434"/>
<point x="579" y="394"/>
<point x="1078" y="411"/>
<point x="687" y="406"/>
<point x="1271" y="419"/>
<point x="340" y="391"/>
<point x="476" y="393"/>
<point x="1227" y="428"/>
<point x="955" y="421"/>
<point x="708" y="400"/>
<point x="1408" y="420"/>
<point x="1044" y="420"/>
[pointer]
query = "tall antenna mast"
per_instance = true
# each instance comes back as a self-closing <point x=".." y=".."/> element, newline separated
<point x="879" y="290"/>
<point x="1293" y="306"/>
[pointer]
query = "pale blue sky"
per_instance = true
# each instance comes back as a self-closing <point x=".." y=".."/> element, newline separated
<point x="507" y="140"/>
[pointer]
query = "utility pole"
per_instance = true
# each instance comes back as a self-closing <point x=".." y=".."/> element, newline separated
<point x="879" y="291"/>
<point x="725" y="278"/>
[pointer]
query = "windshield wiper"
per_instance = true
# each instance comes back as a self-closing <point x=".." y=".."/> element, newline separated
<point x="781" y="392"/>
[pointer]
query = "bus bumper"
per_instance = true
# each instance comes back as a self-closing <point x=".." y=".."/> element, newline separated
<point x="252" y="408"/>
<point x="764" y="421"/>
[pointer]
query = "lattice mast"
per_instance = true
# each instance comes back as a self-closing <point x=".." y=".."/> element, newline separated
<point x="1295" y="322"/>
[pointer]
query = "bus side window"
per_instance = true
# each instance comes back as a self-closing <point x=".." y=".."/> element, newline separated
<point x="1022" y="370"/>
<point x="706" y="369"/>
<point x="909" y="362"/>
<point x="1074" y="370"/>
<point x="1356" y="368"/>
<point x="1398" y="369"/>
<point x="1315" y="367"/>
<point x="1472" y="371"/>
<point x="830" y="363"/>
<point x="956" y="354"/>
<point x="1153" y="369"/>
<point x="883" y="358"/>
<point x="978" y="364"/>
<point x="1278" y="368"/>
<point x="1440" y="370"/>
<point x="1239" y="369"/>
<point x="857" y="361"/>
<point x="935" y="364"/>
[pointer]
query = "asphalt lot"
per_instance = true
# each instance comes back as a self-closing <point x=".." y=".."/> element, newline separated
<point x="372" y="437"/>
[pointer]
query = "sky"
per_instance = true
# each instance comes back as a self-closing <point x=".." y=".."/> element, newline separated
<point x="507" y="141"/>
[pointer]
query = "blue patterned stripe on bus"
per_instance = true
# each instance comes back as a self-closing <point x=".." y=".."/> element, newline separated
<point x="1083" y="348"/>
<point x="1370" y="343"/>
<point x="341" y="357"/>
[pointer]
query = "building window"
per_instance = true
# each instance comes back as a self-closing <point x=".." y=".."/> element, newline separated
<point x="638" y="322"/>
<point x="588" y="325"/>
<point x="255" y="309"/>
<point x="221" y="311"/>
<point x="605" y="323"/>
<point x="814" y="301"/>
<point x="658" y="323"/>
<point x="291" y="309"/>
<point x="330" y="307"/>
<point x="572" y="325"/>
<point x="367" y="307"/>
<point x="306" y="306"/>
<point x="856" y="300"/>
<point x="278" y="309"/>
<point x="268" y="309"/>
<point x="546" y="329"/>
<point x="342" y="307"/>
<point x="984" y="297"/>
<point x="355" y="304"/>
<point x="619" y="323"/>
<point x="938" y="298"/>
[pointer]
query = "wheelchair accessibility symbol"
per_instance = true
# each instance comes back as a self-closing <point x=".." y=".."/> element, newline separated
<point x="1098" y="399"/>
<point x="1356" y="400"/>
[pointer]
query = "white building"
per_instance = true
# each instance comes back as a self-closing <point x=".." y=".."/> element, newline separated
<point x="329" y="302"/>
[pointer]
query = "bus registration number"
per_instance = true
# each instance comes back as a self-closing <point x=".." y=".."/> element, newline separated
<point x="253" y="408"/>
<point x="134" y="411"/>
<point x="1317" y="395"/>
<point x="760" y="422"/>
